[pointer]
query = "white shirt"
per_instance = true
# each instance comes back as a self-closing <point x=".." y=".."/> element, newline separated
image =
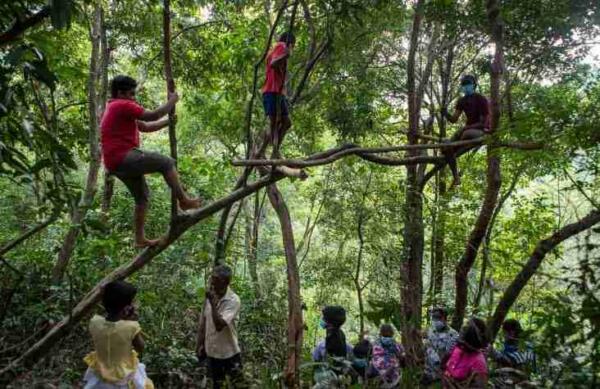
<point x="222" y="344"/>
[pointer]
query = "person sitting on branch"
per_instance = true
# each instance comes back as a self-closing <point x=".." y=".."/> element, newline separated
<point x="120" y="125"/>
<point x="274" y="91"/>
<point x="476" y="109"/>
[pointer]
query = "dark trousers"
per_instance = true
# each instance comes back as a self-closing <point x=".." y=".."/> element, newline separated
<point x="220" y="368"/>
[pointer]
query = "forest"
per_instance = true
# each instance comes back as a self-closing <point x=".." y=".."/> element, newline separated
<point x="354" y="206"/>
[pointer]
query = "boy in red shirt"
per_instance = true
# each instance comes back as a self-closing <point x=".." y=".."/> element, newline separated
<point x="475" y="107"/>
<point x="122" y="120"/>
<point x="274" y="93"/>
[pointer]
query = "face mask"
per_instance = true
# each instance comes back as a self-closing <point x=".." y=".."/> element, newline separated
<point x="510" y="348"/>
<point x="438" y="325"/>
<point x="322" y="323"/>
<point x="468" y="89"/>
<point x="387" y="341"/>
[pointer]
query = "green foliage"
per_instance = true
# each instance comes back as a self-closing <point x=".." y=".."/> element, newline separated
<point x="347" y="217"/>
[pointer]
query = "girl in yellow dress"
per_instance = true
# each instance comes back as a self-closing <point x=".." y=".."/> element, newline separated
<point x="117" y="341"/>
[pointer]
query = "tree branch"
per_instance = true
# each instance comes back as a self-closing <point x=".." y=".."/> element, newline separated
<point x="20" y="26"/>
<point x="334" y="154"/>
<point x="535" y="260"/>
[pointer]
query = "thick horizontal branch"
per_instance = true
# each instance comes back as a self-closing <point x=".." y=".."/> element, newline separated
<point x="333" y="155"/>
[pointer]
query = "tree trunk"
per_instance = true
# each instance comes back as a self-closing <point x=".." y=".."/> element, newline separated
<point x="252" y="229"/>
<point x="413" y="235"/>
<point x="89" y="191"/>
<point x="107" y="194"/>
<point x="440" y="237"/>
<point x="109" y="180"/>
<point x="357" y="285"/>
<point x="295" y="324"/>
<point x="493" y="172"/>
<point x="170" y="89"/>
<point x="535" y="260"/>
<point x="486" y="260"/>
<point x="361" y="245"/>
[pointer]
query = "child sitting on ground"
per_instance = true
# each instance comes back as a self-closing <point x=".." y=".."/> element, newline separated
<point x="388" y="357"/>
<point x="117" y="340"/>
<point x="467" y="367"/>
<point x="333" y="351"/>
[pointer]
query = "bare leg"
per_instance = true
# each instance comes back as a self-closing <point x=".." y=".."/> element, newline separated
<point x="139" y="217"/>
<point x="275" y="135"/>
<point x="185" y="202"/>
<point x="283" y="126"/>
<point x="450" y="155"/>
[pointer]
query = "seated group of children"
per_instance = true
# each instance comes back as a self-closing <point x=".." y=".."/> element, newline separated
<point x="378" y="361"/>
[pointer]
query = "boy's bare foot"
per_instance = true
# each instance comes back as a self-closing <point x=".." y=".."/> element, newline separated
<point x="146" y="243"/>
<point x="190" y="204"/>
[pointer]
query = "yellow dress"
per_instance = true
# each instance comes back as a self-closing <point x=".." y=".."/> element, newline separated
<point x="115" y="361"/>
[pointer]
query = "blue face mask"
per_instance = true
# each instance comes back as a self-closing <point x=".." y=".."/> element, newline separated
<point x="438" y="325"/>
<point x="322" y="323"/>
<point x="510" y="348"/>
<point x="387" y="341"/>
<point x="468" y="89"/>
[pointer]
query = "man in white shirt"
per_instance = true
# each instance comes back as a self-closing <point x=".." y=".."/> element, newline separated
<point x="217" y="336"/>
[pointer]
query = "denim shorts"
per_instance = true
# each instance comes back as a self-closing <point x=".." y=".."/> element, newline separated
<point x="273" y="101"/>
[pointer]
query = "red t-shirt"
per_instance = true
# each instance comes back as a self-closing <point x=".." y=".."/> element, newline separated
<point x="275" y="77"/>
<point x="474" y="106"/>
<point x="119" y="130"/>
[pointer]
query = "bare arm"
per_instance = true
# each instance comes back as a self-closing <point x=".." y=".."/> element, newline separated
<point x="161" y="111"/>
<point x="200" y="350"/>
<point x="152" y="126"/>
<point x="279" y="62"/>
<point x="138" y="343"/>
<point x="454" y="117"/>
<point x="216" y="317"/>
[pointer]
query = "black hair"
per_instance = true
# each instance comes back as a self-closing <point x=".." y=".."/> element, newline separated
<point x="335" y="339"/>
<point x="362" y="349"/>
<point x="117" y="295"/>
<point x="512" y="325"/>
<point x="468" y="79"/>
<point x="387" y="328"/>
<point x="288" y="38"/>
<point x="473" y="336"/>
<point x="121" y="83"/>
<point x="223" y="271"/>
<point x="441" y="310"/>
